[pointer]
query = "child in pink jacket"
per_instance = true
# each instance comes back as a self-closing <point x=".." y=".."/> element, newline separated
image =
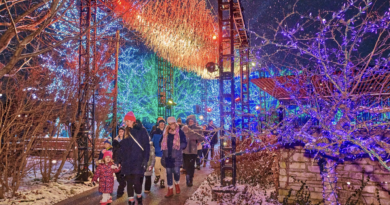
<point x="105" y="173"/>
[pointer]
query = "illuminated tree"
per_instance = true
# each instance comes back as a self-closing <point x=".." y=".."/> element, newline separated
<point x="337" y="82"/>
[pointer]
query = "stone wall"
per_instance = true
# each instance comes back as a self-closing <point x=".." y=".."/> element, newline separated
<point x="296" y="163"/>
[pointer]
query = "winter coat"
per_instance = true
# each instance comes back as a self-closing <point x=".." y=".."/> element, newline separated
<point x="115" y="149"/>
<point x="105" y="174"/>
<point x="175" y="158"/>
<point x="194" y="135"/>
<point x="156" y="137"/>
<point x="132" y="158"/>
<point x="153" y="129"/>
<point x="152" y="160"/>
<point x="213" y="136"/>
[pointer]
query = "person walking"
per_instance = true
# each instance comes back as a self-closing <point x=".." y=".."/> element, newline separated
<point x="159" y="170"/>
<point x="156" y="125"/>
<point x="194" y="134"/>
<point x="134" y="156"/>
<point x="179" y="121"/>
<point x="172" y="144"/>
<point x="107" y="147"/>
<point x="149" y="169"/>
<point x="213" y="140"/>
<point x="119" y="176"/>
<point x="105" y="173"/>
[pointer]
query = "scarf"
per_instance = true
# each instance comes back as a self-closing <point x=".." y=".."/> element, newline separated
<point x="176" y="139"/>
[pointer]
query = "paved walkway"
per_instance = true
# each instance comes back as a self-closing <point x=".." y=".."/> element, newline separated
<point x="155" y="197"/>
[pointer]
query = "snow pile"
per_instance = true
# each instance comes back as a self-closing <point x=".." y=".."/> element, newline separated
<point x="33" y="192"/>
<point x="254" y="195"/>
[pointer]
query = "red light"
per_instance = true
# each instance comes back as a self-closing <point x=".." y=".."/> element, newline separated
<point x="237" y="99"/>
<point x="214" y="37"/>
<point x="208" y="109"/>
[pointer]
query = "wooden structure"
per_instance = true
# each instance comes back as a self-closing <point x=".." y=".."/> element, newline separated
<point x="165" y="88"/>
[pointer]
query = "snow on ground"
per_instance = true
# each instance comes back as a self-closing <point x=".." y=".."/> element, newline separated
<point x="254" y="195"/>
<point x="33" y="192"/>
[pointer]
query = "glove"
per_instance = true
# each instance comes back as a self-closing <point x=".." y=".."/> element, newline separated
<point x="143" y="165"/>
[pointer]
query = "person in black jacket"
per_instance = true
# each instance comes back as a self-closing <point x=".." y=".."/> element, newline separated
<point x="116" y="148"/>
<point x="156" y="125"/>
<point x="133" y="156"/>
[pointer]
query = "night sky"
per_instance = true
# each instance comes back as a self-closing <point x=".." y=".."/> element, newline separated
<point x="260" y="14"/>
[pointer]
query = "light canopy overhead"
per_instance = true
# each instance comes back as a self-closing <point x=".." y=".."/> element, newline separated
<point x="180" y="31"/>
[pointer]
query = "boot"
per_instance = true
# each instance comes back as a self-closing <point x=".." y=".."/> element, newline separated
<point x="188" y="180"/>
<point x="131" y="202"/>
<point x="170" y="193"/>
<point x="162" y="183"/>
<point x="156" y="179"/>
<point x="198" y="167"/>
<point x="191" y="181"/>
<point x="139" y="200"/>
<point x="177" y="187"/>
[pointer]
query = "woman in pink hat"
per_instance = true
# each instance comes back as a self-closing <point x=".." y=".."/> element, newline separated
<point x="134" y="156"/>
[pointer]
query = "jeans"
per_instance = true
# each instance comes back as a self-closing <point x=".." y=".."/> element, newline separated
<point x="189" y="163"/>
<point x="176" y="174"/>
<point x="136" y="181"/>
<point x="199" y="158"/>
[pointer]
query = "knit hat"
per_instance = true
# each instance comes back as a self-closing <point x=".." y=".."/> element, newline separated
<point x="130" y="116"/>
<point x="107" y="153"/>
<point x="107" y="141"/>
<point x="171" y="120"/>
<point x="191" y="117"/>
<point x="162" y="120"/>
<point x="179" y="120"/>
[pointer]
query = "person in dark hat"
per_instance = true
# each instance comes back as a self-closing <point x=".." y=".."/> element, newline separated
<point x="119" y="176"/>
<point x="107" y="147"/>
<point x="159" y="170"/>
